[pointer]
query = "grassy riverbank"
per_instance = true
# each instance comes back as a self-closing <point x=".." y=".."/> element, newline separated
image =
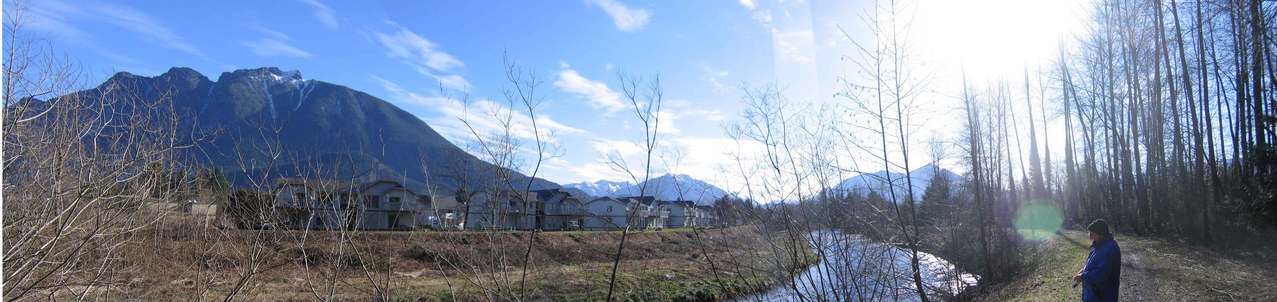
<point x="1152" y="270"/>
<point x="681" y="264"/>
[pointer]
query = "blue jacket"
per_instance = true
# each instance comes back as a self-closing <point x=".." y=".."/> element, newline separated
<point x="1102" y="276"/>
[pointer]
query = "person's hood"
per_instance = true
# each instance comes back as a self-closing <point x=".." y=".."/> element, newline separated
<point x="1102" y="241"/>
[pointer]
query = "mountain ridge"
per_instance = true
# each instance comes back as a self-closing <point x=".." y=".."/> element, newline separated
<point x="322" y="129"/>
<point x="877" y="181"/>
<point x="664" y="187"/>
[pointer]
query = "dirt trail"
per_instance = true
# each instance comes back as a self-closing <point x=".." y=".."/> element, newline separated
<point x="1152" y="270"/>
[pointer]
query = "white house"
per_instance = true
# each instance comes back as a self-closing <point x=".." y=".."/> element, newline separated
<point x="331" y="204"/>
<point x="607" y="213"/>
<point x="650" y="211"/>
<point x="679" y="213"/>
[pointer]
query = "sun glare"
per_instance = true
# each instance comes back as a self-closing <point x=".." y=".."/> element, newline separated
<point x="995" y="38"/>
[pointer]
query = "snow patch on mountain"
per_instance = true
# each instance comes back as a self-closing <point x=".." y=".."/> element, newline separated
<point x="599" y="188"/>
<point x="665" y="187"/>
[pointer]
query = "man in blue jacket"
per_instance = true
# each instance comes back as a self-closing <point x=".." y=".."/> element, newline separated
<point x="1101" y="276"/>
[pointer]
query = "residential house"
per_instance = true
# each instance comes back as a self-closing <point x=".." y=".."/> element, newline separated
<point x="639" y="212"/>
<point x="330" y="204"/>
<point x="608" y="213"/>
<point x="679" y="213"/>
<point x="704" y="216"/>
<point x="561" y="210"/>
<point x="652" y="215"/>
<point x="446" y="212"/>
<point x="387" y="204"/>
<point x="549" y="209"/>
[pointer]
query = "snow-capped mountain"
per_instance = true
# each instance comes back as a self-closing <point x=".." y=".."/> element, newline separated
<point x="665" y="187"/>
<point x="599" y="188"/>
<point x="877" y="181"/>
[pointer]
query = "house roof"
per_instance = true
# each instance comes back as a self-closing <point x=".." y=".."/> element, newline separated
<point x="605" y="198"/>
<point x="645" y="200"/>
<point x="686" y="203"/>
<point x="316" y="183"/>
<point x="330" y="185"/>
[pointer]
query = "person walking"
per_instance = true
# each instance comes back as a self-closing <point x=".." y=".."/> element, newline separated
<point x="1101" y="277"/>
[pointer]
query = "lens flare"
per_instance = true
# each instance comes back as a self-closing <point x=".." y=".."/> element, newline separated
<point x="1038" y="220"/>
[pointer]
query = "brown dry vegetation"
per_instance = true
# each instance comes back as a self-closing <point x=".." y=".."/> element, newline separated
<point x="658" y="265"/>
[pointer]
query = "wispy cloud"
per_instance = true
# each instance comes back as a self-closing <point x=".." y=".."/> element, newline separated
<point x="452" y="116"/>
<point x="141" y="23"/>
<point x="423" y="55"/>
<point x="49" y="17"/>
<point x="268" y="47"/>
<point x="626" y="18"/>
<point x="323" y="13"/>
<point x="714" y="77"/>
<point x="59" y="18"/>
<point x="748" y="4"/>
<point x="795" y="47"/>
<point x="596" y="93"/>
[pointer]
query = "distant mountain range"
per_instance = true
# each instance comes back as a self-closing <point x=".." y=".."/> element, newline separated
<point x="664" y="187"/>
<point x="599" y="188"/>
<point x="321" y="129"/>
<point x="877" y="181"/>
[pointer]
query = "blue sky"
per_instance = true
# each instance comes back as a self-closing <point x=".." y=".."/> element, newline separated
<point x="401" y="51"/>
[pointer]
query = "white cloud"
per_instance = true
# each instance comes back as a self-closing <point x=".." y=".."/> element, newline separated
<point x="409" y="46"/>
<point x="268" y="47"/>
<point x="57" y="17"/>
<point x="452" y="81"/>
<point x="479" y="114"/>
<point x="794" y="46"/>
<point x="323" y="13"/>
<point x="596" y="93"/>
<point x="147" y="26"/>
<point x="598" y="171"/>
<point x="763" y="17"/>
<point x="603" y="147"/>
<point x="626" y="18"/>
<point x="665" y="122"/>
<point x="424" y="56"/>
<point x="748" y="4"/>
<point x="715" y="78"/>
<point x="51" y="17"/>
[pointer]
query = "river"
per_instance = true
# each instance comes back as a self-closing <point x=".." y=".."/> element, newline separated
<point x="853" y="268"/>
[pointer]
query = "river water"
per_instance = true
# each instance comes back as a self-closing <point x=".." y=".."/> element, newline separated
<point x="853" y="268"/>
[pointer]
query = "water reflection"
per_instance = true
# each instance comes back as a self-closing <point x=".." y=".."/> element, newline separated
<point x="853" y="268"/>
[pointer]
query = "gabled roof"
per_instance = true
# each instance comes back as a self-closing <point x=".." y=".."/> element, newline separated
<point x="605" y="198"/>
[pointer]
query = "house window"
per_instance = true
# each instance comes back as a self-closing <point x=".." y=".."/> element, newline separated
<point x="299" y="196"/>
<point x="609" y="209"/>
<point x="394" y="201"/>
<point x="372" y="201"/>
